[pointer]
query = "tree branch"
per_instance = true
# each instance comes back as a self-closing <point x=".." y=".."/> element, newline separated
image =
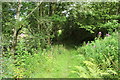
<point x="33" y="10"/>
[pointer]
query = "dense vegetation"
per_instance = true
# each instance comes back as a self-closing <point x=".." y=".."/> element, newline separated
<point x="60" y="40"/>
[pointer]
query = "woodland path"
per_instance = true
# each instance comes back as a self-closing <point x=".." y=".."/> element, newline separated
<point x="59" y="64"/>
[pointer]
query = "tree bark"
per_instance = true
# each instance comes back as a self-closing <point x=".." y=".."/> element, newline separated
<point x="16" y="30"/>
<point x="50" y="9"/>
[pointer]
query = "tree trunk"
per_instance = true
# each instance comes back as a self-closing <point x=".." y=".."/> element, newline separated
<point x="14" y="42"/>
<point x="16" y="30"/>
<point x="50" y="9"/>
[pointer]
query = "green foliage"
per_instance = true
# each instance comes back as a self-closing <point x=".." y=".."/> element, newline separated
<point x="92" y="16"/>
<point x="36" y="55"/>
<point x="58" y="18"/>
<point x="110" y="25"/>
<point x="101" y="57"/>
<point x="98" y="59"/>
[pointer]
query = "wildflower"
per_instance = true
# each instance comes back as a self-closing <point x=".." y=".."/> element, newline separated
<point x="87" y="43"/>
<point x="107" y="34"/>
<point x="100" y="33"/>
<point x="22" y="35"/>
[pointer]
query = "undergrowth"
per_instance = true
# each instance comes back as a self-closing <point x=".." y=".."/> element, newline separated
<point x="96" y="59"/>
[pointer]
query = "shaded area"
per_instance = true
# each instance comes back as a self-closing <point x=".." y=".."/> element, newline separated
<point x="73" y="37"/>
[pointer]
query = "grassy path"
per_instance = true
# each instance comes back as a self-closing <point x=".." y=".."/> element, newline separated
<point x="58" y="65"/>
